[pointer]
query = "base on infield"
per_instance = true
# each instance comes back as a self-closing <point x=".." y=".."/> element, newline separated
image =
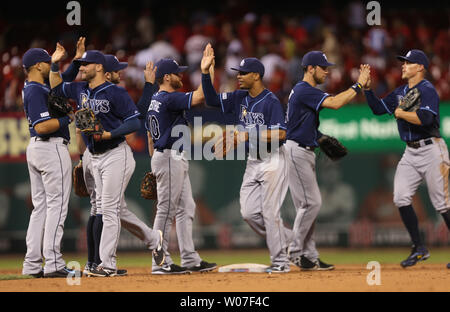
<point x="243" y="268"/>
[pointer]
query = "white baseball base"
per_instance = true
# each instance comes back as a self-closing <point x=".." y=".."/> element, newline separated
<point x="244" y="268"/>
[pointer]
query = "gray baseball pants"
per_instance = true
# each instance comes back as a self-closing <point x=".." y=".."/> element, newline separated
<point x="263" y="189"/>
<point x="429" y="162"/>
<point x="49" y="166"/>
<point x="306" y="197"/>
<point x="175" y="201"/>
<point x="127" y="218"/>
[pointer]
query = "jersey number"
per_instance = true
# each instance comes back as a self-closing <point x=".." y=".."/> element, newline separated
<point x="154" y="127"/>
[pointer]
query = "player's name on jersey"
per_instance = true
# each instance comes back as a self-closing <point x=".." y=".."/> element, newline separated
<point x="154" y="106"/>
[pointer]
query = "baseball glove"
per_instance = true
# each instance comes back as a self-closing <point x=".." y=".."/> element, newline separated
<point x="148" y="186"/>
<point x="86" y="121"/>
<point x="332" y="147"/>
<point x="411" y="101"/>
<point x="79" y="185"/>
<point x="228" y="142"/>
<point x="58" y="106"/>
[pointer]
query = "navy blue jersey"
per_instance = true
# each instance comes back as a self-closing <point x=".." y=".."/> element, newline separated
<point x="253" y="112"/>
<point x="111" y="104"/>
<point x="166" y="110"/>
<point x="35" y="96"/>
<point x="429" y="103"/>
<point x="304" y="105"/>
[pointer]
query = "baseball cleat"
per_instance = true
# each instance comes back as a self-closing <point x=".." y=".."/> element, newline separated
<point x="121" y="272"/>
<point x="417" y="254"/>
<point x="158" y="253"/>
<point x="322" y="266"/>
<point x="87" y="269"/>
<point x="64" y="272"/>
<point x="170" y="269"/>
<point x="278" y="269"/>
<point x="203" y="267"/>
<point x="99" y="271"/>
<point x="305" y="264"/>
<point x="37" y="275"/>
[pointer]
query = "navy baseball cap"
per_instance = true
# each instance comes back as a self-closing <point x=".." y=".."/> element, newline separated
<point x="34" y="56"/>
<point x="92" y="56"/>
<point x="415" y="56"/>
<point x="251" y="65"/>
<point x="168" y="66"/>
<point x="315" y="58"/>
<point x="112" y="64"/>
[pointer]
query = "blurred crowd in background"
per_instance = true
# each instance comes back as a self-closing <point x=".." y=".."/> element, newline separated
<point x="279" y="35"/>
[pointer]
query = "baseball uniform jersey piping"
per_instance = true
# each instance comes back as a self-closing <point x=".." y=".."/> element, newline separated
<point x="323" y="99"/>
<point x="40" y="120"/>
<point x="246" y="100"/>
<point x="95" y="94"/>
<point x="428" y="109"/>
<point x="62" y="203"/>
<point x="221" y="104"/>
<point x="36" y="84"/>
<point x="132" y="116"/>
<point x="190" y="100"/>
<point x="385" y="106"/>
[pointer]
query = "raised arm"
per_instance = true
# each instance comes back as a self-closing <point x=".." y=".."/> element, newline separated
<point x="207" y="62"/>
<point x="149" y="89"/>
<point x="339" y="100"/>
<point x="72" y="71"/>
<point x="55" y="77"/>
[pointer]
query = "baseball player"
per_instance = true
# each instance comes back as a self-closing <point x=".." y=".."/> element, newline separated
<point x="49" y="167"/>
<point x="112" y="159"/>
<point x="264" y="184"/>
<point x="50" y="184"/>
<point x="426" y="154"/>
<point x="128" y="219"/>
<point x="166" y="111"/>
<point x="304" y="105"/>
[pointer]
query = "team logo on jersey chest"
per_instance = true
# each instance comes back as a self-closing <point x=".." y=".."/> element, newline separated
<point x="251" y="119"/>
<point x="98" y="106"/>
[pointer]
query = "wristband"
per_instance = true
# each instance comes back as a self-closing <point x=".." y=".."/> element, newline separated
<point x="54" y="67"/>
<point x="356" y="87"/>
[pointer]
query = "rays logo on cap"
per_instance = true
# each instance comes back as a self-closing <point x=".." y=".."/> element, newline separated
<point x="116" y="59"/>
<point x="242" y="63"/>
<point x="84" y="55"/>
<point x="325" y="57"/>
<point x="175" y="62"/>
<point x="408" y="54"/>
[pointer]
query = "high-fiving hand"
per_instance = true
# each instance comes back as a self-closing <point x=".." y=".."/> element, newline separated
<point x="59" y="53"/>
<point x="150" y="72"/>
<point x="207" y="59"/>
<point x="81" y="48"/>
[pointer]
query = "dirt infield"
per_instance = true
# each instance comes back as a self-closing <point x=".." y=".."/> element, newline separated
<point x="425" y="277"/>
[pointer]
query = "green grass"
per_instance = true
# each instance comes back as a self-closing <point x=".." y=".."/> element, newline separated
<point x="6" y="277"/>
<point x="261" y="256"/>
